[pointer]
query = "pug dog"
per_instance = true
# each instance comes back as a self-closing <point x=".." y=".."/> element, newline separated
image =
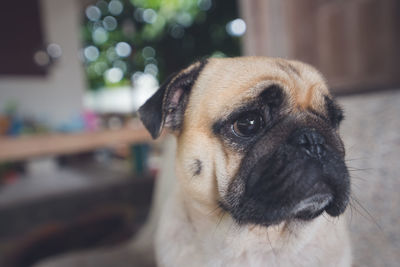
<point x="260" y="169"/>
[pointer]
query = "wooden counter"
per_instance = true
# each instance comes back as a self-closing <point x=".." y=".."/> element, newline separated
<point x="20" y="148"/>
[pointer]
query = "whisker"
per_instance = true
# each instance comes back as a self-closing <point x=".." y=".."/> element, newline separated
<point x="358" y="178"/>
<point x="359" y="169"/>
<point x="354" y="159"/>
<point x="270" y="244"/>
<point x="365" y="214"/>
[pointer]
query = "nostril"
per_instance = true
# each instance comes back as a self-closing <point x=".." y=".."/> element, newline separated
<point x="310" y="140"/>
<point x="319" y="139"/>
<point x="319" y="149"/>
<point x="302" y="139"/>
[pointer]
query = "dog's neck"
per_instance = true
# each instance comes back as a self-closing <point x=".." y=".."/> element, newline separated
<point x="210" y="220"/>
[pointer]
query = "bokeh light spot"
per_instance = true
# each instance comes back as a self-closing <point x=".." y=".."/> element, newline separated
<point x="100" y="35"/>
<point x="148" y="52"/>
<point x="177" y="31"/>
<point x="123" y="49"/>
<point x="111" y="54"/>
<point x="103" y="5"/>
<point x="185" y="19"/>
<point x="54" y="50"/>
<point x="114" y="75"/>
<point x="115" y="7"/>
<point x="91" y="53"/>
<point x="151" y="69"/>
<point x="204" y="4"/>
<point x="218" y="54"/>
<point x="149" y="16"/>
<point x="93" y="13"/>
<point x="138" y="14"/>
<point x="144" y="85"/>
<point x="100" y="67"/>
<point x="121" y="65"/>
<point x="41" y="58"/>
<point x="236" y="27"/>
<point x="110" y="23"/>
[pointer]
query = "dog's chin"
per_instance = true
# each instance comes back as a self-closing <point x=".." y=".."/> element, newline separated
<point x="291" y="186"/>
<point x="312" y="207"/>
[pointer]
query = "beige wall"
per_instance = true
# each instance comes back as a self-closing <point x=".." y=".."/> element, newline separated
<point x="58" y="96"/>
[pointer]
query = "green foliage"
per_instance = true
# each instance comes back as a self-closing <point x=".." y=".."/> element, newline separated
<point x="166" y="34"/>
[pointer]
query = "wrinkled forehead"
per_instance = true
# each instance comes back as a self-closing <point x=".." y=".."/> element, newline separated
<point x="226" y="84"/>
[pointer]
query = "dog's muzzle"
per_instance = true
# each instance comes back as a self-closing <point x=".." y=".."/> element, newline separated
<point x="303" y="178"/>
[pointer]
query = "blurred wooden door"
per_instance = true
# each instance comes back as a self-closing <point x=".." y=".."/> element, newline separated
<point x="354" y="43"/>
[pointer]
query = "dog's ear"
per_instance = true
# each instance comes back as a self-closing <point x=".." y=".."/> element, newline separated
<point x="167" y="106"/>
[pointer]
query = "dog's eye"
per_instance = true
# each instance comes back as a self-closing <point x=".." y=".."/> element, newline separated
<point x="248" y="124"/>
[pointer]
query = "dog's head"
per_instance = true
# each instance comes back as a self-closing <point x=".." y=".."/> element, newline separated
<point x="256" y="136"/>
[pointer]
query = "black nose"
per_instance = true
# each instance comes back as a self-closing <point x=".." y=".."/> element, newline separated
<point x="311" y="141"/>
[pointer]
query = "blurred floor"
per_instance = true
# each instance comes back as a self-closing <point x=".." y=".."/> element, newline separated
<point x="121" y="256"/>
<point x="371" y="133"/>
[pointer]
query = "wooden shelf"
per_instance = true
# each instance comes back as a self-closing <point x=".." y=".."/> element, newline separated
<point x="20" y="148"/>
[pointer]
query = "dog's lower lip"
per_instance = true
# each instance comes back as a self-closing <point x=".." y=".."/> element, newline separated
<point x="334" y="209"/>
<point x="313" y="204"/>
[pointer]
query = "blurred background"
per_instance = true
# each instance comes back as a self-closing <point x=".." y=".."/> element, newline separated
<point x="77" y="169"/>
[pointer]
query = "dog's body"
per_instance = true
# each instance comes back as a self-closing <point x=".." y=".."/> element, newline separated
<point x="259" y="159"/>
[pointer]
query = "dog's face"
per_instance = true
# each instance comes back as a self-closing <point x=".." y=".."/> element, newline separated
<point x="256" y="136"/>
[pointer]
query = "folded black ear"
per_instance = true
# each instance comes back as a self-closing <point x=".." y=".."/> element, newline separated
<point x="167" y="106"/>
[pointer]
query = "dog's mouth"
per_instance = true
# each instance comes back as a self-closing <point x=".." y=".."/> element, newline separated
<point x="312" y="206"/>
<point x="291" y="185"/>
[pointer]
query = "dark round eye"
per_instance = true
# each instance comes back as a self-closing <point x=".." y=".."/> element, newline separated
<point x="248" y="124"/>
